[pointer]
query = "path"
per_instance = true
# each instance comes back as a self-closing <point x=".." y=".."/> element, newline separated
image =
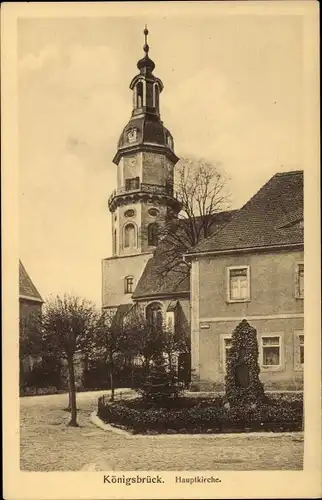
<point x="47" y="444"/>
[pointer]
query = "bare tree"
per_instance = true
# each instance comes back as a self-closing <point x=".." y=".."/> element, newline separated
<point x="201" y="189"/>
<point x="65" y="327"/>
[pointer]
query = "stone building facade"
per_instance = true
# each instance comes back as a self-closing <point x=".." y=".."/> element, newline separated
<point x="253" y="269"/>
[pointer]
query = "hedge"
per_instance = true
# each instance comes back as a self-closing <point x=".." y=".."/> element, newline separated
<point x="190" y="416"/>
<point x="290" y="396"/>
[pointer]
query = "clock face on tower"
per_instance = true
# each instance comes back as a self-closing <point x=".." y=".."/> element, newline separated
<point x="132" y="135"/>
<point x="132" y="161"/>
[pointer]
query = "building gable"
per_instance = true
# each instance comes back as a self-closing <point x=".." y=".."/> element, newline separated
<point x="27" y="289"/>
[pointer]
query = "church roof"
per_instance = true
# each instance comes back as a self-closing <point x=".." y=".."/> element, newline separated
<point x="154" y="282"/>
<point x="121" y="311"/>
<point x="273" y="217"/>
<point x="27" y="289"/>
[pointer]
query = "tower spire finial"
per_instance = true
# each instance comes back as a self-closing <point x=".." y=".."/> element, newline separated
<point x="146" y="65"/>
<point x="146" y="47"/>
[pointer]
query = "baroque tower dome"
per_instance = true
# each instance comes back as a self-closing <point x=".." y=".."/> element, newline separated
<point x="145" y="130"/>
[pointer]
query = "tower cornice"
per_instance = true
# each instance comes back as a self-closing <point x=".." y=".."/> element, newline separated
<point x="145" y="192"/>
<point x="147" y="147"/>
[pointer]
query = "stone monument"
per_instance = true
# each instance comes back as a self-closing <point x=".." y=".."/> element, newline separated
<point x="242" y="383"/>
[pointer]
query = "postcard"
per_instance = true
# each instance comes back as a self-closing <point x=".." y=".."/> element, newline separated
<point x="161" y="195"/>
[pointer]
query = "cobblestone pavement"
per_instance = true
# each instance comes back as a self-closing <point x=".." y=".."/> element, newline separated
<point x="47" y="444"/>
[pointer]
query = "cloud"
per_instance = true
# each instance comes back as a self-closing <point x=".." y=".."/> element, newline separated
<point x="90" y="66"/>
<point x="30" y="62"/>
<point x="73" y="106"/>
<point x="70" y="114"/>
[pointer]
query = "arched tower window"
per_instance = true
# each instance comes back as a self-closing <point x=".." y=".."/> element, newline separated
<point x="153" y="235"/>
<point x="129" y="284"/>
<point x="156" y="96"/>
<point x="130" y="236"/>
<point x="114" y="242"/>
<point x="154" y="315"/>
<point x="139" y="95"/>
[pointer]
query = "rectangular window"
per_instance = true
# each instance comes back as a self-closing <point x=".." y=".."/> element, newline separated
<point x="301" y="340"/>
<point x="299" y="292"/>
<point x="271" y="351"/>
<point x="298" y="350"/>
<point x="238" y="284"/>
<point x="227" y="347"/>
<point x="132" y="184"/>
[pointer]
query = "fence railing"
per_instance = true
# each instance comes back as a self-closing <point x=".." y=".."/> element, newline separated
<point x="142" y="188"/>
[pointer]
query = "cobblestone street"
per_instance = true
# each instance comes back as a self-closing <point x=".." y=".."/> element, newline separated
<point x="47" y="444"/>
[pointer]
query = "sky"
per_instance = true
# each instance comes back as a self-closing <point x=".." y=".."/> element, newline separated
<point x="233" y="93"/>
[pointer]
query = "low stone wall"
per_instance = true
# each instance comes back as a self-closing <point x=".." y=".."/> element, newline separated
<point x="282" y="385"/>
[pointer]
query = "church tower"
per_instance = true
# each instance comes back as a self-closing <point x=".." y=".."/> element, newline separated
<point x="144" y="196"/>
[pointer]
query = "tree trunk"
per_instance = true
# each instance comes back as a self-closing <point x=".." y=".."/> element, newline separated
<point x="146" y="366"/>
<point x="72" y="393"/>
<point x="111" y="377"/>
<point x="69" y="400"/>
<point x="132" y="374"/>
<point x="69" y="407"/>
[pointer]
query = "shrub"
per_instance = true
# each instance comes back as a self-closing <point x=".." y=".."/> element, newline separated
<point x="161" y="383"/>
<point x="290" y="397"/>
<point x="188" y="415"/>
<point x="44" y="373"/>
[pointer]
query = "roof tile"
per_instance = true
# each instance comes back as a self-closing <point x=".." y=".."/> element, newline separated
<point x="261" y="221"/>
<point x="26" y="287"/>
<point x="155" y="282"/>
